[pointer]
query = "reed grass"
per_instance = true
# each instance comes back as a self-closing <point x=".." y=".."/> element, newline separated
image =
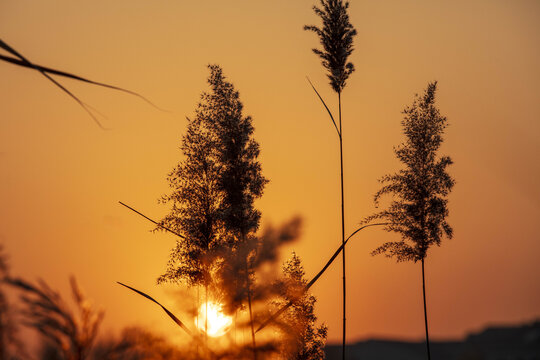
<point x="72" y="334"/>
<point x="336" y="37"/>
<point x="20" y="60"/>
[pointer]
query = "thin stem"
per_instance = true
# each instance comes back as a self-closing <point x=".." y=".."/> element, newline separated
<point x="342" y="229"/>
<point x="250" y="313"/>
<point x="206" y="313"/>
<point x="425" y="310"/>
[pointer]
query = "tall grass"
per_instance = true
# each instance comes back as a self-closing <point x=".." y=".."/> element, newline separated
<point x="336" y="37"/>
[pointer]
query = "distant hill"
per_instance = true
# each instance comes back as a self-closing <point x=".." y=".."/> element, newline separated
<point x="493" y="343"/>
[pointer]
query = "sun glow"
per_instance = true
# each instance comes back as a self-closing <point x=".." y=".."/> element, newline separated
<point x="218" y="323"/>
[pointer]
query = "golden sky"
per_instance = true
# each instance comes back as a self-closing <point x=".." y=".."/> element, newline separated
<point x="61" y="175"/>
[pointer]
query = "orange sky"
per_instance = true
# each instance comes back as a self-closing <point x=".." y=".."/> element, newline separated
<point x="61" y="176"/>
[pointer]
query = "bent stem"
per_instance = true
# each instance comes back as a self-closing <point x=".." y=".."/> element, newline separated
<point x="316" y="277"/>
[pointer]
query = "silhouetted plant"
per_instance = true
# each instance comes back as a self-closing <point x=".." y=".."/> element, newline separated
<point x="214" y="187"/>
<point x="10" y="345"/>
<point x="72" y="336"/>
<point x="336" y="37"/>
<point x="5" y="323"/>
<point x="303" y="339"/>
<point x="419" y="207"/>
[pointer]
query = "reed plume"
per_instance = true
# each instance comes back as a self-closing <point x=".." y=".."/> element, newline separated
<point x="336" y="37"/>
<point x="419" y="206"/>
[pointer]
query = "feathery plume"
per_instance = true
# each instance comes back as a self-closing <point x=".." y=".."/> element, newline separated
<point x="336" y="37"/>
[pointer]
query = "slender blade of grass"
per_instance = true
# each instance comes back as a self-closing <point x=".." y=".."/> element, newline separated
<point x="156" y="223"/>
<point x="73" y="76"/>
<point x="174" y="318"/>
<point x="9" y="49"/>
<point x="326" y="107"/>
<point x="171" y="315"/>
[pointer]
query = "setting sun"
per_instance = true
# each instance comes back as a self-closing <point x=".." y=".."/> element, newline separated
<point x="218" y="323"/>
